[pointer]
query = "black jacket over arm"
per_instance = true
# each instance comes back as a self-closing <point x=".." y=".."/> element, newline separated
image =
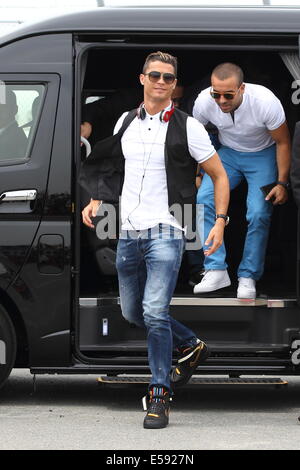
<point x="102" y="173"/>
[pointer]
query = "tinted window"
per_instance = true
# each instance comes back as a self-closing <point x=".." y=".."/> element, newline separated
<point x="20" y="106"/>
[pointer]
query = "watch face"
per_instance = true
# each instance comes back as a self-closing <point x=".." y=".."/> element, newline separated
<point x="223" y="216"/>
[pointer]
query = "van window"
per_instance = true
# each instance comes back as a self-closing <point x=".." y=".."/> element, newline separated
<point x="20" y="106"/>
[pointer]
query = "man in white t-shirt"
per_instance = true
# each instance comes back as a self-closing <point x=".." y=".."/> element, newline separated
<point x="255" y="145"/>
<point x="160" y="148"/>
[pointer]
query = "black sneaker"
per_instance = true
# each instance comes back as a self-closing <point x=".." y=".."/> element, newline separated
<point x="195" y="278"/>
<point x="190" y="358"/>
<point x="158" y="408"/>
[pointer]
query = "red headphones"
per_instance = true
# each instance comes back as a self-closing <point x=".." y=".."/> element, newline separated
<point x="164" y="116"/>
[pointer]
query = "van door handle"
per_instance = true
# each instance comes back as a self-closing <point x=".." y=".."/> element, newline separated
<point x="22" y="195"/>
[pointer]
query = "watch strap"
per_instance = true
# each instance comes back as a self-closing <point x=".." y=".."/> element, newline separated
<point x="285" y="185"/>
<point x="222" y="216"/>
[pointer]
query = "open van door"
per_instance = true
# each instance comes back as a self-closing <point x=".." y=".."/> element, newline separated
<point x="252" y="336"/>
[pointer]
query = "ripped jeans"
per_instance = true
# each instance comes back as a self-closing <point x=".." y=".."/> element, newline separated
<point x="147" y="271"/>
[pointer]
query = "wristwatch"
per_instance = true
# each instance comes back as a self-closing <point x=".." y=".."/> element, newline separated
<point x="285" y="185"/>
<point x="222" y="216"/>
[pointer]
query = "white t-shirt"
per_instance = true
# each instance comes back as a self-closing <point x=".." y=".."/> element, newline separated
<point x="259" y="112"/>
<point x="144" y="199"/>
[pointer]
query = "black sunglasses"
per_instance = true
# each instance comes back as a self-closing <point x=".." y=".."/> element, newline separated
<point x="228" y="96"/>
<point x="168" y="78"/>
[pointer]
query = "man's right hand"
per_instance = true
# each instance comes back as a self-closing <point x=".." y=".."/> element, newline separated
<point x="85" y="129"/>
<point x="90" y="211"/>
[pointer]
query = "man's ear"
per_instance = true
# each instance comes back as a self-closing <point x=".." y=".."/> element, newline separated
<point x="142" y="78"/>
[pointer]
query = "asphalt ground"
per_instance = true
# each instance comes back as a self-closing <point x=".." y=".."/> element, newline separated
<point x="75" y="412"/>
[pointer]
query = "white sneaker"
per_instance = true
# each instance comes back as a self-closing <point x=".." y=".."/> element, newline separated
<point x="212" y="280"/>
<point x="246" y="289"/>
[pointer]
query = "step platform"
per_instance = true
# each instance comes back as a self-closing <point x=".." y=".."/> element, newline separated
<point x="200" y="381"/>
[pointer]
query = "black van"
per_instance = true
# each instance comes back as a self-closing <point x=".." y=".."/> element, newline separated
<point x="59" y="304"/>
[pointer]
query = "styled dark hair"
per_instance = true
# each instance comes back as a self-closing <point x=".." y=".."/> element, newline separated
<point x="162" y="57"/>
<point x="227" y="70"/>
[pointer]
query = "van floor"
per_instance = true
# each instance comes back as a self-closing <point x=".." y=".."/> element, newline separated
<point x="265" y="289"/>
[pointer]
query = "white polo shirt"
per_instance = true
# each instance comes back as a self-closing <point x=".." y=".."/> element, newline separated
<point x="259" y="112"/>
<point x="144" y="199"/>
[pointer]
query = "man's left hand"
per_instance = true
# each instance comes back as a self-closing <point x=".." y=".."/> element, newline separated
<point x="279" y="194"/>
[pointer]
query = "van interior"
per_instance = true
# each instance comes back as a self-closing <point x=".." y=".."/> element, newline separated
<point x="108" y="70"/>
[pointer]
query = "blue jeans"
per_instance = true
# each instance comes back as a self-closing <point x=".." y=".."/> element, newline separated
<point x="259" y="169"/>
<point x="147" y="272"/>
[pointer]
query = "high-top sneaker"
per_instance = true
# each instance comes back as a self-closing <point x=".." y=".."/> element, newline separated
<point x="157" y="404"/>
<point x="190" y="358"/>
<point x="246" y="288"/>
<point x="213" y="280"/>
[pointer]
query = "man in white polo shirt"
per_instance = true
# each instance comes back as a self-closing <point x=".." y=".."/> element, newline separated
<point x="159" y="152"/>
<point x="255" y="145"/>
